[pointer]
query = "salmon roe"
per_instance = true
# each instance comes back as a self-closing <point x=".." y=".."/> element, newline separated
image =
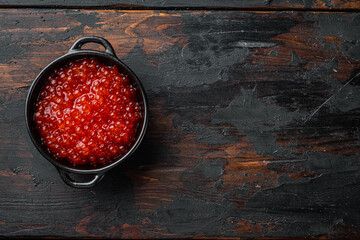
<point x="87" y="113"/>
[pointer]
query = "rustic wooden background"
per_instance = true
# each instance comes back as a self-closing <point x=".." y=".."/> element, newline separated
<point x="254" y="120"/>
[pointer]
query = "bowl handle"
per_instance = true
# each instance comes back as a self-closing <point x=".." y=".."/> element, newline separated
<point x="67" y="179"/>
<point x="81" y="41"/>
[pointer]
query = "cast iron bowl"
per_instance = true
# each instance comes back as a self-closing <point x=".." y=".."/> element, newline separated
<point x="107" y="58"/>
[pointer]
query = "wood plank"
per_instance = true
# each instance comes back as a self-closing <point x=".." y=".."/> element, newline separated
<point x="344" y="5"/>
<point x="254" y="127"/>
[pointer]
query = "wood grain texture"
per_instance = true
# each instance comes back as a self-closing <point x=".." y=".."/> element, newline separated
<point x="254" y="126"/>
<point x="185" y="4"/>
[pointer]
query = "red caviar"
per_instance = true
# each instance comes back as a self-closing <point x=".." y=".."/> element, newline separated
<point x="87" y="113"/>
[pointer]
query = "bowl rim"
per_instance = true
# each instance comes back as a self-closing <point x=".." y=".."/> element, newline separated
<point x="63" y="58"/>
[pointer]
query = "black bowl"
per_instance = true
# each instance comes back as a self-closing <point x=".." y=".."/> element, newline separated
<point x="106" y="58"/>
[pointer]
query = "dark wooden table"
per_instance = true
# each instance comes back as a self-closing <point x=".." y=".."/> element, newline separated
<point x="254" y="120"/>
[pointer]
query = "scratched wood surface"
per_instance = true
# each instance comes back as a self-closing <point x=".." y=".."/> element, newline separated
<point x="186" y="4"/>
<point x="254" y="126"/>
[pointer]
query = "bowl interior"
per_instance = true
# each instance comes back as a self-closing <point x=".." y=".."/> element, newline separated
<point x="38" y="85"/>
